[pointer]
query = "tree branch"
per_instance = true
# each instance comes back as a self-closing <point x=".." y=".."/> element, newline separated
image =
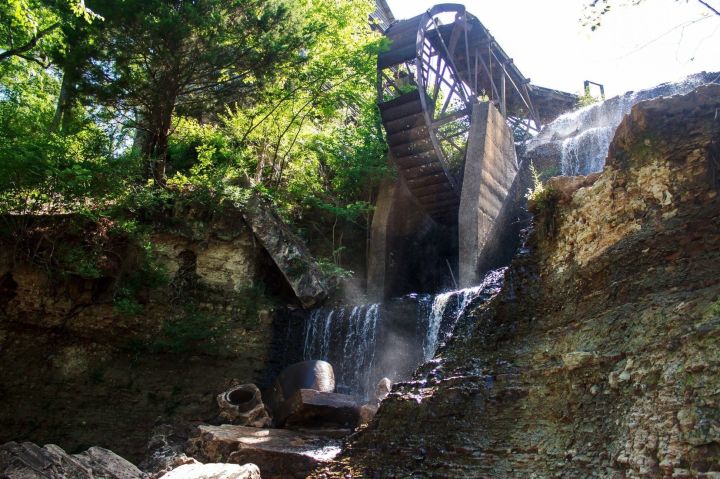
<point x="709" y="7"/>
<point x="19" y="51"/>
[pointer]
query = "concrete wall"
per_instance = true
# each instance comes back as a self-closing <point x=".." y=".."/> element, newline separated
<point x="490" y="170"/>
<point x="409" y="252"/>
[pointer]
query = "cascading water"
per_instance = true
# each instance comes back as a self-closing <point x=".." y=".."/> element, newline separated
<point x="582" y="137"/>
<point x="346" y="339"/>
<point x="368" y="342"/>
<point x="442" y="311"/>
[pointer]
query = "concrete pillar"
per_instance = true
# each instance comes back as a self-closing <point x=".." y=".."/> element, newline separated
<point x="408" y="250"/>
<point x="377" y="254"/>
<point x="490" y="169"/>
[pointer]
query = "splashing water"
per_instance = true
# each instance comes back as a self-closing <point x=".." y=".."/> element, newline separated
<point x="368" y="342"/>
<point x="354" y="329"/>
<point x="447" y="308"/>
<point x="583" y="136"/>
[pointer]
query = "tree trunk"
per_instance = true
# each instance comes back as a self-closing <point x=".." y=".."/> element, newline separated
<point x="155" y="140"/>
<point x="63" y="107"/>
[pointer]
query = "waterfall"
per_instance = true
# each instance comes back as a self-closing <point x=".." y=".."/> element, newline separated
<point x="444" y="310"/>
<point x="345" y="338"/>
<point x="582" y="137"/>
<point x="365" y="343"/>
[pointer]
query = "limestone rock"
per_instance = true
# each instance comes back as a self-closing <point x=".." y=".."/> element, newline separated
<point x="29" y="461"/>
<point x="578" y="359"/>
<point x="367" y="413"/>
<point x="288" y="252"/>
<point x="566" y="186"/>
<point x="214" y="471"/>
<point x="243" y="405"/>
<point x="307" y="407"/>
<point x="165" y="452"/>
<point x="382" y="389"/>
<point x="625" y="291"/>
<point x="277" y="452"/>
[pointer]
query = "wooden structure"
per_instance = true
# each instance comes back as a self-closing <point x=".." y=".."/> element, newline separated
<point x="437" y="66"/>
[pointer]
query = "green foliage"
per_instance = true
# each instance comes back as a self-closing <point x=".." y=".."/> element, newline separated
<point x="330" y="268"/>
<point x="192" y="331"/>
<point x="229" y="98"/>
<point x="713" y="312"/>
<point x="587" y="99"/>
<point x="540" y="196"/>
<point x="32" y="30"/>
<point x="44" y="171"/>
<point x="79" y="261"/>
<point x="146" y="275"/>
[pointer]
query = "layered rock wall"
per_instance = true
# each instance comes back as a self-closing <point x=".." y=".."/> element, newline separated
<point x="78" y="369"/>
<point x="600" y="356"/>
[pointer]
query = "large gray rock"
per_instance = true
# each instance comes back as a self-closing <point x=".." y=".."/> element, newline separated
<point x="165" y="451"/>
<point x="277" y="452"/>
<point x="214" y="471"/>
<point x="30" y="461"/>
<point x="288" y="252"/>
<point x="312" y="374"/>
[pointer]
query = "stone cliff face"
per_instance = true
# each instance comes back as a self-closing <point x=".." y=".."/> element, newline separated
<point x="77" y="370"/>
<point x="599" y="358"/>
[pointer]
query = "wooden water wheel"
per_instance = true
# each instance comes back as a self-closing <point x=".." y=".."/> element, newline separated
<point x="436" y="66"/>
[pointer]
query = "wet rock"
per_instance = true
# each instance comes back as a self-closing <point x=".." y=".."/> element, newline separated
<point x="29" y="461"/>
<point x="277" y="452"/>
<point x="578" y="359"/>
<point x="307" y="407"/>
<point x="382" y="389"/>
<point x="367" y="413"/>
<point x="243" y="405"/>
<point x="214" y="471"/>
<point x="599" y="358"/>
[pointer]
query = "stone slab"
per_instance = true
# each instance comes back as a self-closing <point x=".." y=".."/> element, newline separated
<point x="308" y="407"/>
<point x="277" y="452"/>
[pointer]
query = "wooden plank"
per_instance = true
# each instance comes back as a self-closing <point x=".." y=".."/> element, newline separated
<point x="401" y="111"/>
<point x="404" y="123"/>
<point x="413" y="164"/>
<point x="412" y="148"/>
<point x="438" y="197"/>
<point x="427" y="180"/>
<point x="397" y="55"/>
<point x="411" y="134"/>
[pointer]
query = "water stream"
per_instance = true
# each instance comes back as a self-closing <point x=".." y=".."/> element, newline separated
<point x="582" y="137"/>
<point x="365" y="343"/>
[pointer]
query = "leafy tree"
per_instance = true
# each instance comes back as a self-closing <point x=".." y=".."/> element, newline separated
<point x="595" y="10"/>
<point x="28" y="28"/>
<point x="167" y="56"/>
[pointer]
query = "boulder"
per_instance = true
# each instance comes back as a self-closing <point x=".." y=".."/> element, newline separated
<point x="312" y="374"/>
<point x="165" y="451"/>
<point x="30" y="461"/>
<point x="277" y="452"/>
<point x="307" y="407"/>
<point x="214" y="471"/>
<point x="382" y="389"/>
<point x="288" y="251"/>
<point x="367" y="413"/>
<point x="243" y="405"/>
